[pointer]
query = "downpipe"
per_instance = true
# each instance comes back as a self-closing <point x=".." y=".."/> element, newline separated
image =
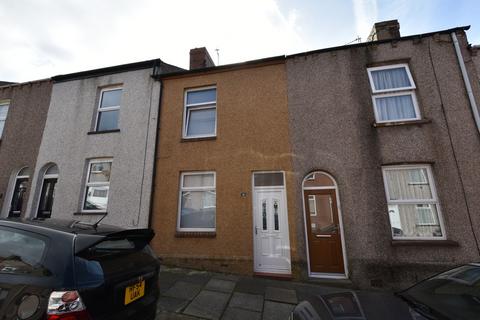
<point x="473" y="104"/>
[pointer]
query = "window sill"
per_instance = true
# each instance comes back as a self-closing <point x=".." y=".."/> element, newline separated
<point x="400" y="123"/>
<point x="424" y="243"/>
<point x="197" y="234"/>
<point x="198" y="139"/>
<point x="86" y="213"/>
<point x="102" y="132"/>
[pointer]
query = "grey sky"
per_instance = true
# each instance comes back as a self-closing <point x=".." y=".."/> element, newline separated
<point x="43" y="38"/>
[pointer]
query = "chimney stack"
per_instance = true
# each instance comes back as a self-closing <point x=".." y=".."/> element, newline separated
<point x="199" y="58"/>
<point x="385" y="30"/>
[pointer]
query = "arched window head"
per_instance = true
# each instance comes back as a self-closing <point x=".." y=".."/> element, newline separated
<point x="24" y="172"/>
<point x="53" y="169"/>
<point x="318" y="179"/>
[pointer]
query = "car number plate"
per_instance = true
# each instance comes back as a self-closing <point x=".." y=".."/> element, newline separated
<point x="134" y="292"/>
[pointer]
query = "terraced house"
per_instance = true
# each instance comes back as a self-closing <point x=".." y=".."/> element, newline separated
<point x="23" y="111"/>
<point x="350" y="163"/>
<point x="223" y="184"/>
<point x="97" y="149"/>
<point x="383" y="135"/>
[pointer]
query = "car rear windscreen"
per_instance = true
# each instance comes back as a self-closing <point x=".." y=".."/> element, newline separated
<point x="21" y="252"/>
<point x="110" y="257"/>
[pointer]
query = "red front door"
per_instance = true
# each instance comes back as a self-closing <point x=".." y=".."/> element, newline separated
<point x="323" y="232"/>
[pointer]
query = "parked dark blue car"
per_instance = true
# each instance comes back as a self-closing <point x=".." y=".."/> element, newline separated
<point x="55" y="269"/>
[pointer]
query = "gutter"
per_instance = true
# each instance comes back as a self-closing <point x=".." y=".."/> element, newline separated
<point x="224" y="67"/>
<point x="376" y="42"/>
<point x="466" y="80"/>
<point x="282" y="58"/>
<point x="106" y="71"/>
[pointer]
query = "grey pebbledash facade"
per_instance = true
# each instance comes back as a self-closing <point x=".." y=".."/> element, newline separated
<point x="25" y="106"/>
<point x="334" y="130"/>
<point x="99" y="138"/>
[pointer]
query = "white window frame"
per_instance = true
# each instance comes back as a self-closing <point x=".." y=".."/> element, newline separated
<point x="112" y="108"/>
<point x="432" y="201"/>
<point x="207" y="188"/>
<point x="4" y="103"/>
<point x="386" y="95"/>
<point x="278" y="186"/>
<point x="94" y="184"/>
<point x="388" y="67"/>
<point x="394" y="92"/>
<point x="198" y="106"/>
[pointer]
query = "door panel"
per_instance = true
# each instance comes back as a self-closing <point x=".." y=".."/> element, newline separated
<point x="46" y="198"/>
<point x="18" y="197"/>
<point x="272" y="246"/>
<point x="323" y="232"/>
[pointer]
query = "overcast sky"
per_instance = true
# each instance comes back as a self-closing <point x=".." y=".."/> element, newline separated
<point x="43" y="38"/>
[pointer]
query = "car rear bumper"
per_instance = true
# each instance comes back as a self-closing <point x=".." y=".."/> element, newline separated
<point x="141" y="309"/>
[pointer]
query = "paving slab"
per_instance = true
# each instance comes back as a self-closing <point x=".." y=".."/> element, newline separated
<point x="164" y="287"/>
<point x="166" y="283"/>
<point x="241" y="314"/>
<point x="253" y="286"/>
<point x="197" y="277"/>
<point x="171" y="304"/>
<point x="183" y="290"/>
<point x="169" y="275"/>
<point x="228" y="277"/>
<point x="281" y="295"/>
<point x="173" y="316"/>
<point x="276" y="310"/>
<point x="252" y="302"/>
<point x="220" y="285"/>
<point x="208" y="304"/>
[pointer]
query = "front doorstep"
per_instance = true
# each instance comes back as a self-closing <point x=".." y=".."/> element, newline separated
<point x="339" y="276"/>
<point x="337" y="283"/>
<point x="278" y="276"/>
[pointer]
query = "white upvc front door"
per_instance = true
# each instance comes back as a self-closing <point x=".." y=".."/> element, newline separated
<point x="271" y="240"/>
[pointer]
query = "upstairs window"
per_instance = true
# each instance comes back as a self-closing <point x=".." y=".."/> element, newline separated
<point x="412" y="203"/>
<point x="108" y="109"/>
<point x="200" y="114"/>
<point x="393" y="91"/>
<point x="97" y="185"/>
<point x="3" y="115"/>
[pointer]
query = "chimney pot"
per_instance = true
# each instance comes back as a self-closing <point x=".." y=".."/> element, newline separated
<point x="385" y="30"/>
<point x="200" y="58"/>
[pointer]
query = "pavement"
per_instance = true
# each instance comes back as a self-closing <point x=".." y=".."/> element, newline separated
<point x="190" y="294"/>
